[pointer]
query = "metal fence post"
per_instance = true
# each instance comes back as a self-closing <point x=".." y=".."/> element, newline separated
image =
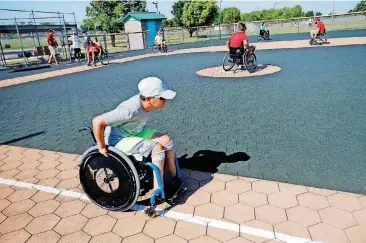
<point x="62" y="36"/>
<point x="21" y="43"/>
<point x="68" y="46"/>
<point x="346" y="21"/>
<point x="105" y="43"/>
<point x="298" y="25"/>
<point x="35" y="25"/>
<point x="2" y="53"/>
<point x="183" y="34"/>
<point x="76" y="26"/>
<point x="167" y="36"/>
<point x="128" y="42"/>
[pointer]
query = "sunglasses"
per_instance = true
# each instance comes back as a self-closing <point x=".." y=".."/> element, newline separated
<point x="161" y="98"/>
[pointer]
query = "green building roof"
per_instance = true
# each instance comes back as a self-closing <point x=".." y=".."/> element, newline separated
<point x="142" y="16"/>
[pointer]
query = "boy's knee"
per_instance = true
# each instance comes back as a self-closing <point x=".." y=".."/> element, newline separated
<point x="158" y="154"/>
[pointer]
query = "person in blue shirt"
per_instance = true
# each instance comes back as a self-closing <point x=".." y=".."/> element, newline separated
<point x="263" y="30"/>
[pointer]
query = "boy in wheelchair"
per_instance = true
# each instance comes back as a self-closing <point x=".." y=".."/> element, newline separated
<point x="125" y="129"/>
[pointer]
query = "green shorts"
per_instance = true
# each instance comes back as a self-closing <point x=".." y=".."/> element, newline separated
<point x="147" y="133"/>
<point x="140" y="145"/>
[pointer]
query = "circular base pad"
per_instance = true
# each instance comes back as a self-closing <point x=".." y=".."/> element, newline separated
<point x="236" y="72"/>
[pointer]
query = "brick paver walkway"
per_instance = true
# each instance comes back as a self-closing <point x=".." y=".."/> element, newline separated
<point x="214" y="208"/>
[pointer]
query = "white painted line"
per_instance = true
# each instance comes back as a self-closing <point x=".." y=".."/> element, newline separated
<point x="173" y="215"/>
<point x="289" y="238"/>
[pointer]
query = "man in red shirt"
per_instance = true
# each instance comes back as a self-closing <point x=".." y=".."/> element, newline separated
<point x="52" y="46"/>
<point x="320" y="28"/>
<point x="92" y="49"/>
<point x="238" y="39"/>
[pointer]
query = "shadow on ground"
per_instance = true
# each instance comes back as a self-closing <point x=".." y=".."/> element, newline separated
<point x="22" y="138"/>
<point x="209" y="161"/>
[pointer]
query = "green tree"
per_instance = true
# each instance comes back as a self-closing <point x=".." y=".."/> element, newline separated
<point x="309" y="14"/>
<point x="105" y="15"/>
<point x="230" y="15"/>
<point x="361" y="6"/>
<point x="170" y="22"/>
<point x="318" y="14"/>
<point x="177" y="11"/>
<point x="218" y="18"/>
<point x="198" y="13"/>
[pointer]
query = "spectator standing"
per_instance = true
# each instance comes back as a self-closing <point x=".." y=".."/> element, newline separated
<point x="76" y="45"/>
<point x="52" y="46"/>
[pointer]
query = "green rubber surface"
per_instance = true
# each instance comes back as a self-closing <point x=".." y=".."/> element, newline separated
<point x="303" y="125"/>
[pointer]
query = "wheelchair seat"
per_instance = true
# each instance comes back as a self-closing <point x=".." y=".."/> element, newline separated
<point x="237" y="51"/>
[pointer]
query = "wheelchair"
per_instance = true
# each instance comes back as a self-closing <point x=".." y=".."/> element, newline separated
<point x="320" y="39"/>
<point x="240" y="57"/>
<point x="264" y="35"/>
<point x="158" y="47"/>
<point x="115" y="182"/>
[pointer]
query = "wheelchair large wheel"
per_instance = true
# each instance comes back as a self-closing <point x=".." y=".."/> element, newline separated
<point x="228" y="63"/>
<point x="259" y="37"/>
<point x="111" y="183"/>
<point x="104" y="59"/>
<point x="250" y="62"/>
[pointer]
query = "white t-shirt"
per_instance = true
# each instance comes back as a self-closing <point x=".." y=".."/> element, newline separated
<point x="128" y="119"/>
<point x="75" y="41"/>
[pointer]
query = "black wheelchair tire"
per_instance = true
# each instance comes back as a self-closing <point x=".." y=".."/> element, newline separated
<point x="259" y="37"/>
<point x="223" y="63"/>
<point x="104" y="59"/>
<point x="118" y="161"/>
<point x="248" y="67"/>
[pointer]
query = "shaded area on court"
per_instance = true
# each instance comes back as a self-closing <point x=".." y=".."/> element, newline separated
<point x="252" y="39"/>
<point x="302" y="125"/>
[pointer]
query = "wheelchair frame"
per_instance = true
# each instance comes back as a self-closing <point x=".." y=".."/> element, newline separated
<point x="320" y="39"/>
<point x="103" y="58"/>
<point x="264" y="37"/>
<point x="239" y="58"/>
<point x="137" y="168"/>
<point x="157" y="48"/>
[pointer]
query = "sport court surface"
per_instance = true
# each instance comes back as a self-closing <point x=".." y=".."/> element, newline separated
<point x="303" y="114"/>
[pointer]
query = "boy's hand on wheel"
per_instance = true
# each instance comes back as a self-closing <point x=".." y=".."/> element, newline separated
<point x="103" y="151"/>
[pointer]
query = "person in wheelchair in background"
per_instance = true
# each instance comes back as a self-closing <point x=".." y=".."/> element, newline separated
<point x="125" y="129"/>
<point x="319" y="32"/>
<point x="263" y="32"/>
<point x="94" y="50"/>
<point x="159" y="42"/>
<point x="238" y="42"/>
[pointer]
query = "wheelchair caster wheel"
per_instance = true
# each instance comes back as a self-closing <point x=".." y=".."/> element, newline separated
<point x="151" y="212"/>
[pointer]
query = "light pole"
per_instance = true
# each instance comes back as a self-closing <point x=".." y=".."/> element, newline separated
<point x="220" y="18"/>
<point x="274" y="5"/>
<point x="333" y="11"/>
<point x="156" y="5"/>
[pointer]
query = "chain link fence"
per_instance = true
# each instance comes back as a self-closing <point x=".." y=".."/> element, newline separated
<point x="356" y="20"/>
<point x="23" y="41"/>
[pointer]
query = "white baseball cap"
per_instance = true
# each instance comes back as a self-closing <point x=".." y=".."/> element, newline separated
<point x="155" y="87"/>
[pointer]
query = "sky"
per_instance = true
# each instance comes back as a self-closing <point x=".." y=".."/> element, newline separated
<point x="165" y="7"/>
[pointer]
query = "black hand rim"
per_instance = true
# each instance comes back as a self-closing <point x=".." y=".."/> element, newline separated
<point x="124" y="196"/>
<point x="250" y="61"/>
<point x="228" y="57"/>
